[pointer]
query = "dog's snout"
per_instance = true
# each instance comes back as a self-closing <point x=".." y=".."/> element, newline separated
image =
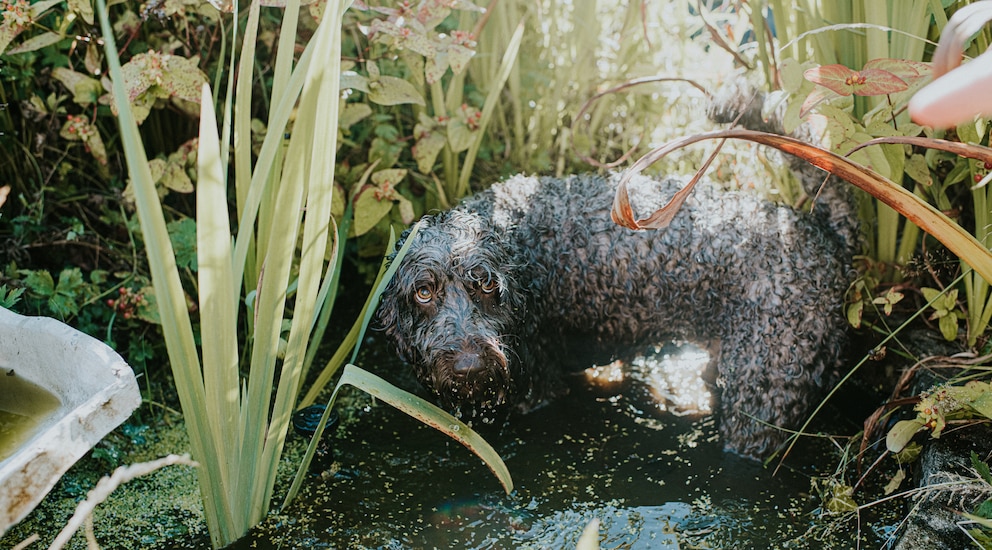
<point x="468" y="363"/>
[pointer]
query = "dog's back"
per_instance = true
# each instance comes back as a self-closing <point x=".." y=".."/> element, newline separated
<point x="497" y="299"/>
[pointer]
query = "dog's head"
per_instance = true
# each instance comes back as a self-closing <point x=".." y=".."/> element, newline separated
<point x="452" y="309"/>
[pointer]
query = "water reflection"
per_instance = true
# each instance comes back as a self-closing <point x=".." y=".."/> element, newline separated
<point x="637" y="452"/>
<point x="672" y="374"/>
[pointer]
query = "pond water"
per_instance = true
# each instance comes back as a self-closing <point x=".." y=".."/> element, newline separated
<point x="621" y="450"/>
<point x="23" y="407"/>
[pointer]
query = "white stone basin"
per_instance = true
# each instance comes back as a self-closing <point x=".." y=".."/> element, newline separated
<point x="96" y="392"/>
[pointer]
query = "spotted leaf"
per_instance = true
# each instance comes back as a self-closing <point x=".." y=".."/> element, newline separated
<point x="845" y="81"/>
<point x="85" y="89"/>
<point x="390" y="90"/>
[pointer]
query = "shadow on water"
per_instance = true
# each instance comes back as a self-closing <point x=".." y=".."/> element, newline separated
<point x="653" y="478"/>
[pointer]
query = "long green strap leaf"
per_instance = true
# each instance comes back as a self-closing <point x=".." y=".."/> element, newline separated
<point x="509" y="59"/>
<point x="319" y="101"/>
<point x="357" y="332"/>
<point x="417" y="408"/>
<point x="176" y="324"/>
<point x="218" y="302"/>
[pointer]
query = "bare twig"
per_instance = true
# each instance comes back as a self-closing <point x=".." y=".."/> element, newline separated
<point x="106" y="486"/>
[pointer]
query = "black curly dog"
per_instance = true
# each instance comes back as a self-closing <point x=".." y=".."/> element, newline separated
<point x="499" y="298"/>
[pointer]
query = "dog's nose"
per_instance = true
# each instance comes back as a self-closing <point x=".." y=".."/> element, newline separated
<point x="468" y="363"/>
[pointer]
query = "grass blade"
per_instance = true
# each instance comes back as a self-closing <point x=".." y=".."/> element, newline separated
<point x="509" y="58"/>
<point x="358" y="329"/>
<point x="415" y="407"/>
<point x="169" y="293"/>
<point x="217" y="301"/>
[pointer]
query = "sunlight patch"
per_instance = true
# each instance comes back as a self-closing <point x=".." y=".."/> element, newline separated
<point x="674" y="375"/>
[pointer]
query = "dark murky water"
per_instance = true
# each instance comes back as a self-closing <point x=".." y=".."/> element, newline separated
<point x="654" y="479"/>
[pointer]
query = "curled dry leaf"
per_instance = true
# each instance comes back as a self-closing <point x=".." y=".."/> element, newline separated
<point x="928" y="218"/>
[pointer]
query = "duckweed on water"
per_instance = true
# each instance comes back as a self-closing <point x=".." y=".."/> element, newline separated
<point x="651" y="478"/>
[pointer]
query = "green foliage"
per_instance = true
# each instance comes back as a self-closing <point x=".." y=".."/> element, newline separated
<point x="182" y="233"/>
<point x="982" y="514"/>
<point x="9" y="296"/>
<point x="237" y="425"/>
<point x="939" y="406"/>
<point x="849" y="68"/>
<point x="945" y="310"/>
<point x="61" y="299"/>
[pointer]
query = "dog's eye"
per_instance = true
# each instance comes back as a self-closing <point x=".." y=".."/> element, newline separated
<point x="424" y="295"/>
<point x="489" y="286"/>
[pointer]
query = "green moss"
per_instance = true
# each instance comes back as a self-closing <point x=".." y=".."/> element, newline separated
<point x="148" y="510"/>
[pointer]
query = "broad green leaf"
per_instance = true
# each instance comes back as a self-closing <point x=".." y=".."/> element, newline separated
<point x="78" y="128"/>
<point x="909" y="453"/>
<point x="845" y="81"/>
<point x="792" y="76"/>
<point x="8" y="32"/>
<point x="10" y="296"/>
<point x="458" y="57"/>
<point x="174" y="75"/>
<point x="901" y="434"/>
<point x="871" y="82"/>
<point x="405" y="208"/>
<point x="895" y="482"/>
<point x="841" y="499"/>
<point x="38" y="8"/>
<point x="182" y="233"/>
<point x="949" y="326"/>
<point x="917" y="169"/>
<point x="460" y="137"/>
<point x="184" y="79"/>
<point x="338" y="203"/>
<point x="40" y="282"/>
<point x="175" y="178"/>
<point x="388" y="179"/>
<point x="35" y="43"/>
<point x="390" y="90"/>
<point x="417" y="42"/>
<point x="426" y="150"/>
<point x="415" y="66"/>
<point x="64" y="302"/>
<point x="85" y="89"/>
<point x="385" y="152"/>
<point x="833" y="77"/>
<point x="431" y="14"/>
<point x="906" y="70"/>
<point x="147" y="309"/>
<point x="855" y="312"/>
<point x="369" y="210"/>
<point x="435" y="67"/>
<point x="353" y="113"/>
<point x="982" y="402"/>
<point x="84" y="8"/>
<point x="930" y="294"/>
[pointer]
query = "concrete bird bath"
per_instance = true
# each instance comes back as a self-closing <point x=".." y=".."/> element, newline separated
<point x="61" y="391"/>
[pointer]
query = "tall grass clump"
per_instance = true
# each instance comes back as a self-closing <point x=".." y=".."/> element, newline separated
<point x="260" y="290"/>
